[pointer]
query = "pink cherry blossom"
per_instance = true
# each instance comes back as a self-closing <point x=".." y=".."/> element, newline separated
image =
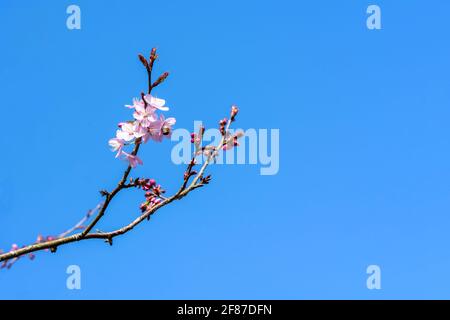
<point x="145" y="115"/>
<point x="117" y="145"/>
<point x="147" y="136"/>
<point x="167" y="124"/>
<point x="139" y="130"/>
<point x="126" y="131"/>
<point x="155" y="102"/>
<point x="136" y="103"/>
<point x="161" y="128"/>
<point x="132" y="159"/>
<point x="146" y="125"/>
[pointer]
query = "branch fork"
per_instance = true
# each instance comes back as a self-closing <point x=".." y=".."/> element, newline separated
<point x="155" y="197"/>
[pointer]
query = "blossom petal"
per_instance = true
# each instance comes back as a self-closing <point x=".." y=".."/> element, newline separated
<point x="156" y="102"/>
<point x="170" y="121"/>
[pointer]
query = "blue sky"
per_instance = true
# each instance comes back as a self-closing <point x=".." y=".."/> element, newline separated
<point x="364" y="148"/>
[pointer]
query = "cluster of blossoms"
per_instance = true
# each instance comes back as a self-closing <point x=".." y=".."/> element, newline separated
<point x="147" y="125"/>
<point x="153" y="192"/>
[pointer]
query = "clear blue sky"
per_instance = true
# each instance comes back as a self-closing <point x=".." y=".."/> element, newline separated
<point x="364" y="147"/>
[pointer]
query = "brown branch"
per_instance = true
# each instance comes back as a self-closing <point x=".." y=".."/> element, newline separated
<point x="109" y="195"/>
<point x="185" y="189"/>
<point x="112" y="194"/>
<point x="137" y="143"/>
<point x="188" y="174"/>
<point x="81" y="222"/>
<point x="211" y="156"/>
<point x="108" y="236"/>
<point x="79" y="225"/>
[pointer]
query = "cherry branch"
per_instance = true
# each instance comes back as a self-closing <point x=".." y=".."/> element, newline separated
<point x="140" y="131"/>
<point x="40" y="239"/>
<point x="110" y="195"/>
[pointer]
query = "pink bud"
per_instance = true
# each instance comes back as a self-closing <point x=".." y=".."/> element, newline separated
<point x="234" y="111"/>
<point x="143" y="207"/>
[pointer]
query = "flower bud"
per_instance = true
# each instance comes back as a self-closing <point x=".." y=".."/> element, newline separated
<point x="153" y="54"/>
<point x="143" y="207"/>
<point x="160" y="79"/>
<point x="234" y="112"/>
<point x="143" y="60"/>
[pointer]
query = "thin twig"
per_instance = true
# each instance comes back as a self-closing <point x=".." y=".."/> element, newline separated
<point x="53" y="244"/>
<point x="66" y="237"/>
<point x="81" y="222"/>
<point x="112" y="194"/>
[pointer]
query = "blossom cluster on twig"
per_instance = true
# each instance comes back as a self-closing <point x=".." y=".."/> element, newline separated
<point x="146" y="125"/>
